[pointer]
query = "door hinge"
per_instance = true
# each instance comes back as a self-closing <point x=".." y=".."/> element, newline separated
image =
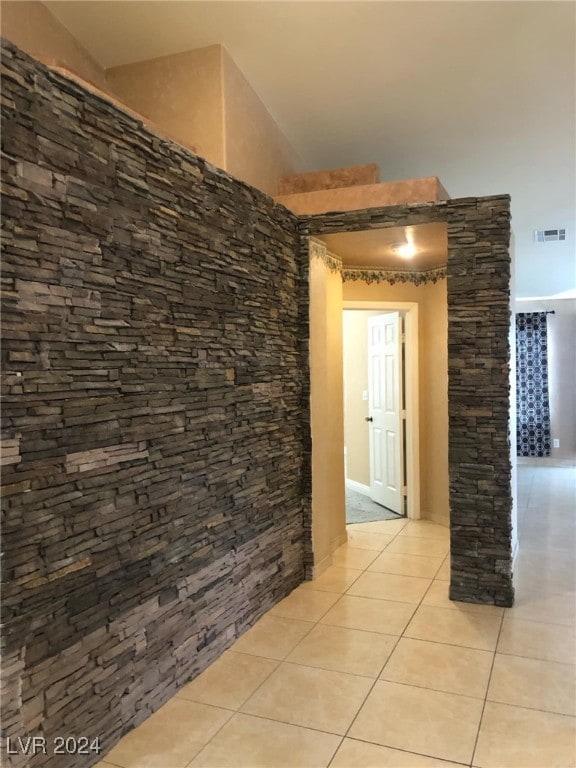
<point x="404" y="490"/>
<point x="402" y="414"/>
<point x="403" y="338"/>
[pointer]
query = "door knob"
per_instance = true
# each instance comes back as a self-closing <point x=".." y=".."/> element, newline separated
<point x="368" y="418"/>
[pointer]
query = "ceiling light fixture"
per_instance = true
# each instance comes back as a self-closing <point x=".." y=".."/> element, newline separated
<point x="405" y="250"/>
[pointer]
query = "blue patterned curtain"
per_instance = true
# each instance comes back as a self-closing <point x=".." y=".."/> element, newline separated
<point x="532" y="402"/>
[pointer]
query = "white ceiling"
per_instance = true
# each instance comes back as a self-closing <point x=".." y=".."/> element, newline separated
<point x="480" y="94"/>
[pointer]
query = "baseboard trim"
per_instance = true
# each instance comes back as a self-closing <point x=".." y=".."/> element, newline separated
<point x="339" y="540"/>
<point x="358" y="487"/>
<point x="319" y="568"/>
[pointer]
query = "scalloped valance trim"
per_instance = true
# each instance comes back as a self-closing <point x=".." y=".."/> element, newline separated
<point x="319" y="251"/>
<point x="370" y="274"/>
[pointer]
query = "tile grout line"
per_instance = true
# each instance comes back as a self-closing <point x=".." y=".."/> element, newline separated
<point x="345" y="736"/>
<point x="416" y="606"/>
<point x="475" y="747"/>
<point x="316" y="623"/>
<point x="237" y="710"/>
<point x="403" y="635"/>
<point x="284" y="660"/>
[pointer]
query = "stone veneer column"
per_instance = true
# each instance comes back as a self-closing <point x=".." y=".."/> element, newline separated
<point x="479" y="276"/>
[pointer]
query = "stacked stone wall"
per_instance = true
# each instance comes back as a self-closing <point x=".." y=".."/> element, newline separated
<point x="156" y="419"/>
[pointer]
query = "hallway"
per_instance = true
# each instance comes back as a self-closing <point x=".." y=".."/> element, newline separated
<point x="372" y="665"/>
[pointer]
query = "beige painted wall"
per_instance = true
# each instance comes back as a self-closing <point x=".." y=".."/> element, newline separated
<point x="433" y="383"/>
<point x="198" y="98"/>
<point x="256" y="150"/>
<point x="326" y="407"/>
<point x="561" y="370"/>
<point x="32" y="27"/>
<point x="434" y="402"/>
<point x="182" y="94"/>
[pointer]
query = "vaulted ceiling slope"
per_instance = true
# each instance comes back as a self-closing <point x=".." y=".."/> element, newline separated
<point x="480" y="94"/>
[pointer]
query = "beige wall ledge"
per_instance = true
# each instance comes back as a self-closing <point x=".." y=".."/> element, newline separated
<point x="407" y="192"/>
<point x="350" y="176"/>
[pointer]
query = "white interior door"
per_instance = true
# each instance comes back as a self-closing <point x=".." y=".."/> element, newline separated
<point x="385" y="410"/>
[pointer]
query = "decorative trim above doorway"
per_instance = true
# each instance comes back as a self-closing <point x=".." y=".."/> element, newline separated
<point x="319" y="251"/>
<point x="372" y="274"/>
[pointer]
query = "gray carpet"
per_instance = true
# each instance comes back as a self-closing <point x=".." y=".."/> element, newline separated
<point x="361" y="509"/>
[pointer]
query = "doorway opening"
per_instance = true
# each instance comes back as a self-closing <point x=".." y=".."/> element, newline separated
<point x="477" y="485"/>
<point x="380" y="374"/>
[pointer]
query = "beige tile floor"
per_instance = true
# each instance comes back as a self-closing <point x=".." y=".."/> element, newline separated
<point x="372" y="665"/>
